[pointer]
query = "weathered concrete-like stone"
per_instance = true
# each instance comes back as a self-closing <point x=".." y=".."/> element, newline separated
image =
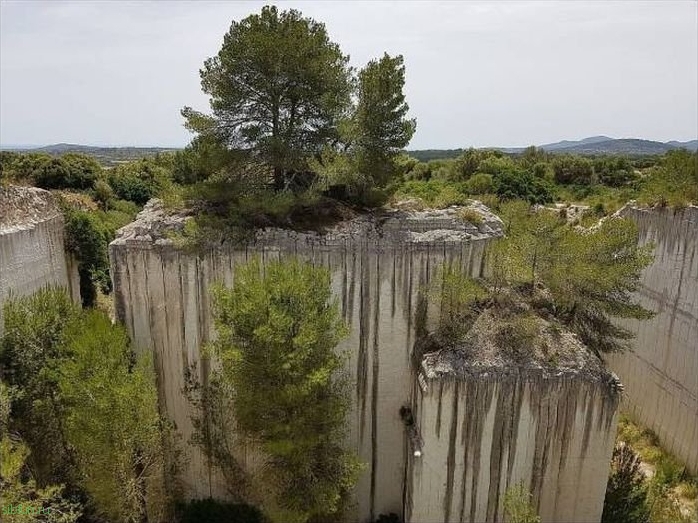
<point x="488" y="422"/>
<point x="32" y="253"/>
<point x="661" y="371"/>
<point x="381" y="266"/>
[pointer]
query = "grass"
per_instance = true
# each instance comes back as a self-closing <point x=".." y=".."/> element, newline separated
<point x="673" y="492"/>
<point x="470" y="216"/>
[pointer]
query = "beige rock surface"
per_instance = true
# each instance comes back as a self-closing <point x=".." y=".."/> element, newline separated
<point x="32" y="253"/>
<point x="660" y="373"/>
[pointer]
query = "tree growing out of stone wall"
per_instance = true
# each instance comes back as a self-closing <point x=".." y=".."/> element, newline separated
<point x="626" y="493"/>
<point x="278" y="329"/>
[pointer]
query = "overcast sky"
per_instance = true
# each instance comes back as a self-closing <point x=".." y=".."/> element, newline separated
<point x="478" y="73"/>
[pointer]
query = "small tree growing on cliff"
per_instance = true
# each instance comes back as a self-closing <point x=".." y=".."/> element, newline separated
<point x="585" y="278"/>
<point x="278" y="329"/>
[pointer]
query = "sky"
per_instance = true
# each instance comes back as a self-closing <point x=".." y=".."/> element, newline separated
<point x="477" y="73"/>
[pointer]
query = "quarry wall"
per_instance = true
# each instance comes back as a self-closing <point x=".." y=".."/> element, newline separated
<point x="32" y="253"/>
<point x="381" y="268"/>
<point x="660" y="373"/>
<point x="488" y="433"/>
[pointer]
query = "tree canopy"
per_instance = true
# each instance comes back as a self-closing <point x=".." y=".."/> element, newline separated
<point x="278" y="87"/>
<point x="86" y="410"/>
<point x="282" y="93"/>
<point x="277" y="335"/>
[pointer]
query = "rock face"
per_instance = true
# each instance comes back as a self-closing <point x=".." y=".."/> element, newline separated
<point x="661" y="371"/>
<point x="381" y="268"/>
<point x="32" y="254"/>
<point x="489" y="422"/>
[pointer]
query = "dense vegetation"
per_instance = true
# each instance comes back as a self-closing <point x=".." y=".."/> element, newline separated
<point x="277" y="335"/>
<point x="647" y="484"/>
<point x="92" y="441"/>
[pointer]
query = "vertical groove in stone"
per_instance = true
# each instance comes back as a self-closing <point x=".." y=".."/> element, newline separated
<point x="352" y="287"/>
<point x="408" y="301"/>
<point x="393" y="285"/>
<point x="500" y="433"/>
<point x="538" y="405"/>
<point x="465" y="439"/>
<point x="451" y="458"/>
<point x="438" y="409"/>
<point x="362" y="359"/>
<point x="514" y="427"/>
<point x="345" y="288"/>
<point x="588" y="418"/>
<point x="374" y="390"/>
<point x="483" y="401"/>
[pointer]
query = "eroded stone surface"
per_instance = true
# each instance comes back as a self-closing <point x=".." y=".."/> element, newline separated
<point x="383" y="266"/>
<point x="660" y="371"/>
<point x="490" y="418"/>
<point x="32" y="253"/>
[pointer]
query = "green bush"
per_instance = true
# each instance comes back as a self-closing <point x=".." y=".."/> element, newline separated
<point x="480" y="183"/>
<point x="277" y="335"/>
<point x="88" y="234"/>
<point x="434" y="193"/>
<point x="674" y="181"/>
<point x="573" y="169"/>
<point x="517" y="184"/>
<point x="138" y="181"/>
<point x="71" y="171"/>
<point x="87" y="239"/>
<point x="518" y="507"/>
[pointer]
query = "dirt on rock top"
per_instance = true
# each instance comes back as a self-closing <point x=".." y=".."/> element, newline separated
<point x="156" y="225"/>
<point x="22" y="207"/>
<point x="516" y="344"/>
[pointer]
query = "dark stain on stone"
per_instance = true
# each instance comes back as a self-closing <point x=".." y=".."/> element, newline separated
<point x="451" y="458"/>
<point x="374" y="390"/>
<point x="438" y="409"/>
<point x="362" y="359"/>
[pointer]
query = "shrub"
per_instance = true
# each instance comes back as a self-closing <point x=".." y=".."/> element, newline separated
<point x="674" y="181"/>
<point x="573" y="169"/>
<point x="517" y="337"/>
<point x="277" y="335"/>
<point x="470" y="216"/>
<point x="518" y="184"/>
<point x="139" y="181"/>
<point x="518" y="507"/>
<point x="103" y="193"/>
<point x="626" y="493"/>
<point x="87" y="239"/>
<point x="71" y="171"/>
<point x="435" y="193"/>
<point x="480" y="183"/>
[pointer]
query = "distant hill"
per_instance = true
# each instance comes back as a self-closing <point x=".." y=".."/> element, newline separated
<point x="565" y="144"/>
<point x="691" y="146"/>
<point x="593" y="145"/>
<point x="626" y="146"/>
<point x="105" y="155"/>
